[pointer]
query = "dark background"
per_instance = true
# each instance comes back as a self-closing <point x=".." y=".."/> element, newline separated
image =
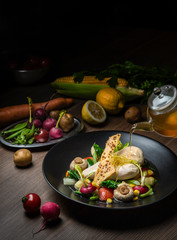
<point x="73" y="34"/>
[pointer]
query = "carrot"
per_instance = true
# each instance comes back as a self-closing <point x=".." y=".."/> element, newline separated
<point x="15" y="113"/>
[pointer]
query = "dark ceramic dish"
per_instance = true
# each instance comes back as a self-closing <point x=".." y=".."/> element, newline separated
<point x="57" y="161"/>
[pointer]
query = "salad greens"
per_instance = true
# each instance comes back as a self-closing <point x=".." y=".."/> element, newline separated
<point x="73" y="174"/>
<point x="96" y="151"/>
<point x="89" y="162"/>
<point x="110" y="183"/>
<point x="120" y="146"/>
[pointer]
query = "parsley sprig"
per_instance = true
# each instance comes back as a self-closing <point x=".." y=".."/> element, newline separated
<point x="138" y="76"/>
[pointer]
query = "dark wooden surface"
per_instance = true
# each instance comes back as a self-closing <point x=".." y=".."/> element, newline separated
<point x="158" y="222"/>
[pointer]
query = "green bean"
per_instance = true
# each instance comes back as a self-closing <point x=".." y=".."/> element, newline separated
<point x="31" y="140"/>
<point x="148" y="193"/>
<point x="16" y="128"/>
<point x="14" y="134"/>
<point x="30" y="133"/>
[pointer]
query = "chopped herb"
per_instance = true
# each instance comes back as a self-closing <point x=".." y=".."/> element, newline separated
<point x="110" y="183"/>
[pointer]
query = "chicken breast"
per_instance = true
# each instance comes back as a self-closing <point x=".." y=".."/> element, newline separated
<point x="122" y="172"/>
<point x="132" y="154"/>
<point x="124" y="169"/>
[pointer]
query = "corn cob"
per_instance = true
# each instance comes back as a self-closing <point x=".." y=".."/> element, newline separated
<point x="93" y="80"/>
<point x="90" y="85"/>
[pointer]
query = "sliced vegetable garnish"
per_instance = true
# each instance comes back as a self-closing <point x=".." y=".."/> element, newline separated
<point x="133" y="181"/>
<point x="94" y="197"/>
<point x="120" y="146"/>
<point x="79" y="170"/>
<point x="148" y="193"/>
<point x="90" y="162"/>
<point x="96" y="152"/>
<point x="73" y="174"/>
<point x="69" y="181"/>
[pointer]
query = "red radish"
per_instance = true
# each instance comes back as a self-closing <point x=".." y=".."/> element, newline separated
<point x="37" y="123"/>
<point x="87" y="189"/>
<point x="141" y="189"/>
<point x="49" y="123"/>
<point x="50" y="211"/>
<point x="40" y="114"/>
<point x="42" y="136"/>
<point x="56" y="132"/>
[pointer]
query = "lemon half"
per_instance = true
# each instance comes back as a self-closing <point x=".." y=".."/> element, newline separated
<point x="93" y="112"/>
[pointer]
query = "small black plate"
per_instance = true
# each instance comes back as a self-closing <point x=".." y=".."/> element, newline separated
<point x="77" y="128"/>
<point x="58" y="159"/>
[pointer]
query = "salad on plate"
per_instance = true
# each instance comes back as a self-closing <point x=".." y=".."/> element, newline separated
<point x="118" y="173"/>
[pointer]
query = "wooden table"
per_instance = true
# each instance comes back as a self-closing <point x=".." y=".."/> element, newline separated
<point x="102" y="47"/>
<point x="159" y="222"/>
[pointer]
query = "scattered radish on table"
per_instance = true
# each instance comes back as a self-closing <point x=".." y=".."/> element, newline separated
<point x="50" y="211"/>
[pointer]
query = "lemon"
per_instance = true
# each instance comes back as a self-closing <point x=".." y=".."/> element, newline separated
<point x="93" y="112"/>
<point x="111" y="100"/>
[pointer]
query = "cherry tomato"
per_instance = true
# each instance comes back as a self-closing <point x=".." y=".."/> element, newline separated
<point x="88" y="158"/>
<point x="105" y="193"/>
<point x="31" y="202"/>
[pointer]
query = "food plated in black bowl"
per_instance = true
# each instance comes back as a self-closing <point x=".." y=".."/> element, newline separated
<point x="160" y="158"/>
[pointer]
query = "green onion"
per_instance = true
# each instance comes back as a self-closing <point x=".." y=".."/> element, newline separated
<point x="148" y="193"/>
<point x="133" y="181"/>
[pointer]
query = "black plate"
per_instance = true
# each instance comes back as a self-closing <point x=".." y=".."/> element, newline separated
<point x="57" y="161"/>
<point x="77" y="128"/>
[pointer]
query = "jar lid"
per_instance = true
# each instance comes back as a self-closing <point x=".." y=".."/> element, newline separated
<point x="162" y="97"/>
